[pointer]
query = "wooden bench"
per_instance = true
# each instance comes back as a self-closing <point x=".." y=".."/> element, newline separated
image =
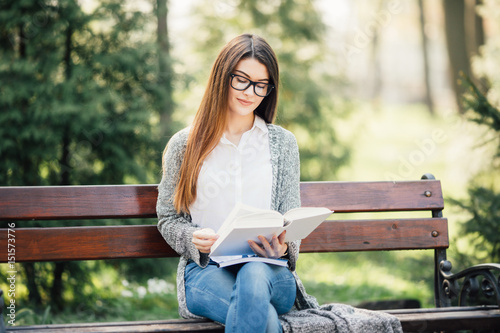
<point x="144" y="241"/>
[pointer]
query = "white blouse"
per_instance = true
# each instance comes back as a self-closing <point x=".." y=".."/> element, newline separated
<point x="232" y="174"/>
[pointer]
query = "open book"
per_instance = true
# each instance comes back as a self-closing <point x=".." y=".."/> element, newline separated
<point x="247" y="223"/>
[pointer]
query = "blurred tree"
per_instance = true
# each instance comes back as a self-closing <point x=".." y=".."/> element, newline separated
<point x="428" y="95"/>
<point x="377" y="83"/>
<point x="165" y="70"/>
<point x="81" y="96"/>
<point x="483" y="203"/>
<point x="464" y="36"/>
<point x="310" y="98"/>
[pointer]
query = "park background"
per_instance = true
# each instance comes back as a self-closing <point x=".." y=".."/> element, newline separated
<point x="90" y="92"/>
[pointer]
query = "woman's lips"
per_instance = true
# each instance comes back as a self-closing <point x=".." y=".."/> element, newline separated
<point x="244" y="102"/>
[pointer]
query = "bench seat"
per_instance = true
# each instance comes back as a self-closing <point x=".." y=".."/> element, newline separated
<point x="412" y="320"/>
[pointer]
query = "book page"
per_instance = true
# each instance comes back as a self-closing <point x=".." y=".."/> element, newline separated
<point x="302" y="221"/>
<point x="247" y="223"/>
<point x="245" y="216"/>
<point x="236" y="241"/>
<point x="239" y="210"/>
<point x="305" y="212"/>
<point x="259" y="220"/>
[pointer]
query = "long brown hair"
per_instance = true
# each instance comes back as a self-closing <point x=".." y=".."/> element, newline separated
<point x="210" y="120"/>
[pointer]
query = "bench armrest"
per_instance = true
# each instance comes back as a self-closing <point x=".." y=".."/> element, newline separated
<point x="477" y="280"/>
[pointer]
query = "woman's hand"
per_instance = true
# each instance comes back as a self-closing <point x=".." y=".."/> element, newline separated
<point x="203" y="239"/>
<point x="275" y="249"/>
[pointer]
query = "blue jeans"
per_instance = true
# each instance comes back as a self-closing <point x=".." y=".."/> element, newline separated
<point x="246" y="298"/>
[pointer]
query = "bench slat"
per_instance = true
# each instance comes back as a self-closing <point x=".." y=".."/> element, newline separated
<point x="414" y="320"/>
<point x="144" y="241"/>
<point x="123" y="201"/>
<point x="453" y="319"/>
<point x="172" y="325"/>
<point x="377" y="235"/>
<point x="346" y="197"/>
<point x="77" y="202"/>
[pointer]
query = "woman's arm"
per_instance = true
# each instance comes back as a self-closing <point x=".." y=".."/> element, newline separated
<point x="288" y="187"/>
<point x="176" y="229"/>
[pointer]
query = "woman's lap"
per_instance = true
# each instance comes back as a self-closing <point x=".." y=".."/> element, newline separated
<point x="209" y="290"/>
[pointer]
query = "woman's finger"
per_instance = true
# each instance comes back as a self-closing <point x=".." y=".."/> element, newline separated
<point x="270" y="250"/>
<point x="256" y="248"/>
<point x="203" y="239"/>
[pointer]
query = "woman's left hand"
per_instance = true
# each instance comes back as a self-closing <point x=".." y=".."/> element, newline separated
<point x="274" y="249"/>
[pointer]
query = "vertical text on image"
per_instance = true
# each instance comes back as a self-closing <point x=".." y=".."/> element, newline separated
<point x="11" y="273"/>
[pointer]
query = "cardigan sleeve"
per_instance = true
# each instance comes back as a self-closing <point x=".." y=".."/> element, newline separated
<point x="289" y="186"/>
<point x="177" y="229"/>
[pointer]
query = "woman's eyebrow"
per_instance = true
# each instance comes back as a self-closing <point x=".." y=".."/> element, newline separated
<point x="248" y="76"/>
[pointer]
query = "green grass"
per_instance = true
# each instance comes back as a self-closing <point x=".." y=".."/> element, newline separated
<point x="368" y="276"/>
<point x="133" y="303"/>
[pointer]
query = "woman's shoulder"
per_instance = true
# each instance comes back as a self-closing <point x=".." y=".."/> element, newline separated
<point x="180" y="138"/>
<point x="281" y="134"/>
<point x="177" y="143"/>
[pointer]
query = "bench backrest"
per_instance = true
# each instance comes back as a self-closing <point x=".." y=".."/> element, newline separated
<point x="144" y="241"/>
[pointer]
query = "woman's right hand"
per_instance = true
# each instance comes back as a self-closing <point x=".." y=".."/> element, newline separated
<point x="203" y="239"/>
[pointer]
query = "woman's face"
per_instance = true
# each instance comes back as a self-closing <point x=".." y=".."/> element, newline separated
<point x="244" y="102"/>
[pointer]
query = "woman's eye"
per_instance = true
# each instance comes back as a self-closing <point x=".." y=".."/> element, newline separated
<point x="262" y="86"/>
<point x="241" y="80"/>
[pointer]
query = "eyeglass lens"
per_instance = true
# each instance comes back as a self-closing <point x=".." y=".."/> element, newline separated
<point x="242" y="83"/>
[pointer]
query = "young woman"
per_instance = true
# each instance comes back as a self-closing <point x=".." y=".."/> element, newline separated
<point x="233" y="153"/>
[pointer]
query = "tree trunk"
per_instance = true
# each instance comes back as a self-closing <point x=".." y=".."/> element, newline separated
<point x="166" y="103"/>
<point x="474" y="34"/>
<point x="474" y="27"/>
<point x="427" y="81"/>
<point x="377" y="82"/>
<point x="33" y="292"/>
<point x="454" y="19"/>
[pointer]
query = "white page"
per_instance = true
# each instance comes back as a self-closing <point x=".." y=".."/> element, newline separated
<point x="233" y="244"/>
<point x="301" y="227"/>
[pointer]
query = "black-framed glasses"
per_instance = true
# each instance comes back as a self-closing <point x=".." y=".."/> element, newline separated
<point x="241" y="83"/>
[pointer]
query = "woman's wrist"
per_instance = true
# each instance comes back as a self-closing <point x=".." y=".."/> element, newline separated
<point x="286" y="252"/>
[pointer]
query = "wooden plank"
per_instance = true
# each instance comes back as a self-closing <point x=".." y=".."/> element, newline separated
<point x="449" y="319"/>
<point x="345" y="197"/>
<point x="120" y="201"/>
<point x="110" y="242"/>
<point x="77" y="202"/>
<point x="378" y="235"/>
<point x="172" y="325"/>
<point x="87" y="243"/>
<point x="415" y="320"/>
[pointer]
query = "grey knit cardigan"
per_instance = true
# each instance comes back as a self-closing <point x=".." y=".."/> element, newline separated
<point x="177" y="229"/>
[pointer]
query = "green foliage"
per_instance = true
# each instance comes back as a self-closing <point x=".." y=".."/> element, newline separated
<point x="80" y="102"/>
<point x="481" y="110"/>
<point x="77" y="102"/>
<point x="483" y="205"/>
<point x="355" y="277"/>
<point x="133" y="304"/>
